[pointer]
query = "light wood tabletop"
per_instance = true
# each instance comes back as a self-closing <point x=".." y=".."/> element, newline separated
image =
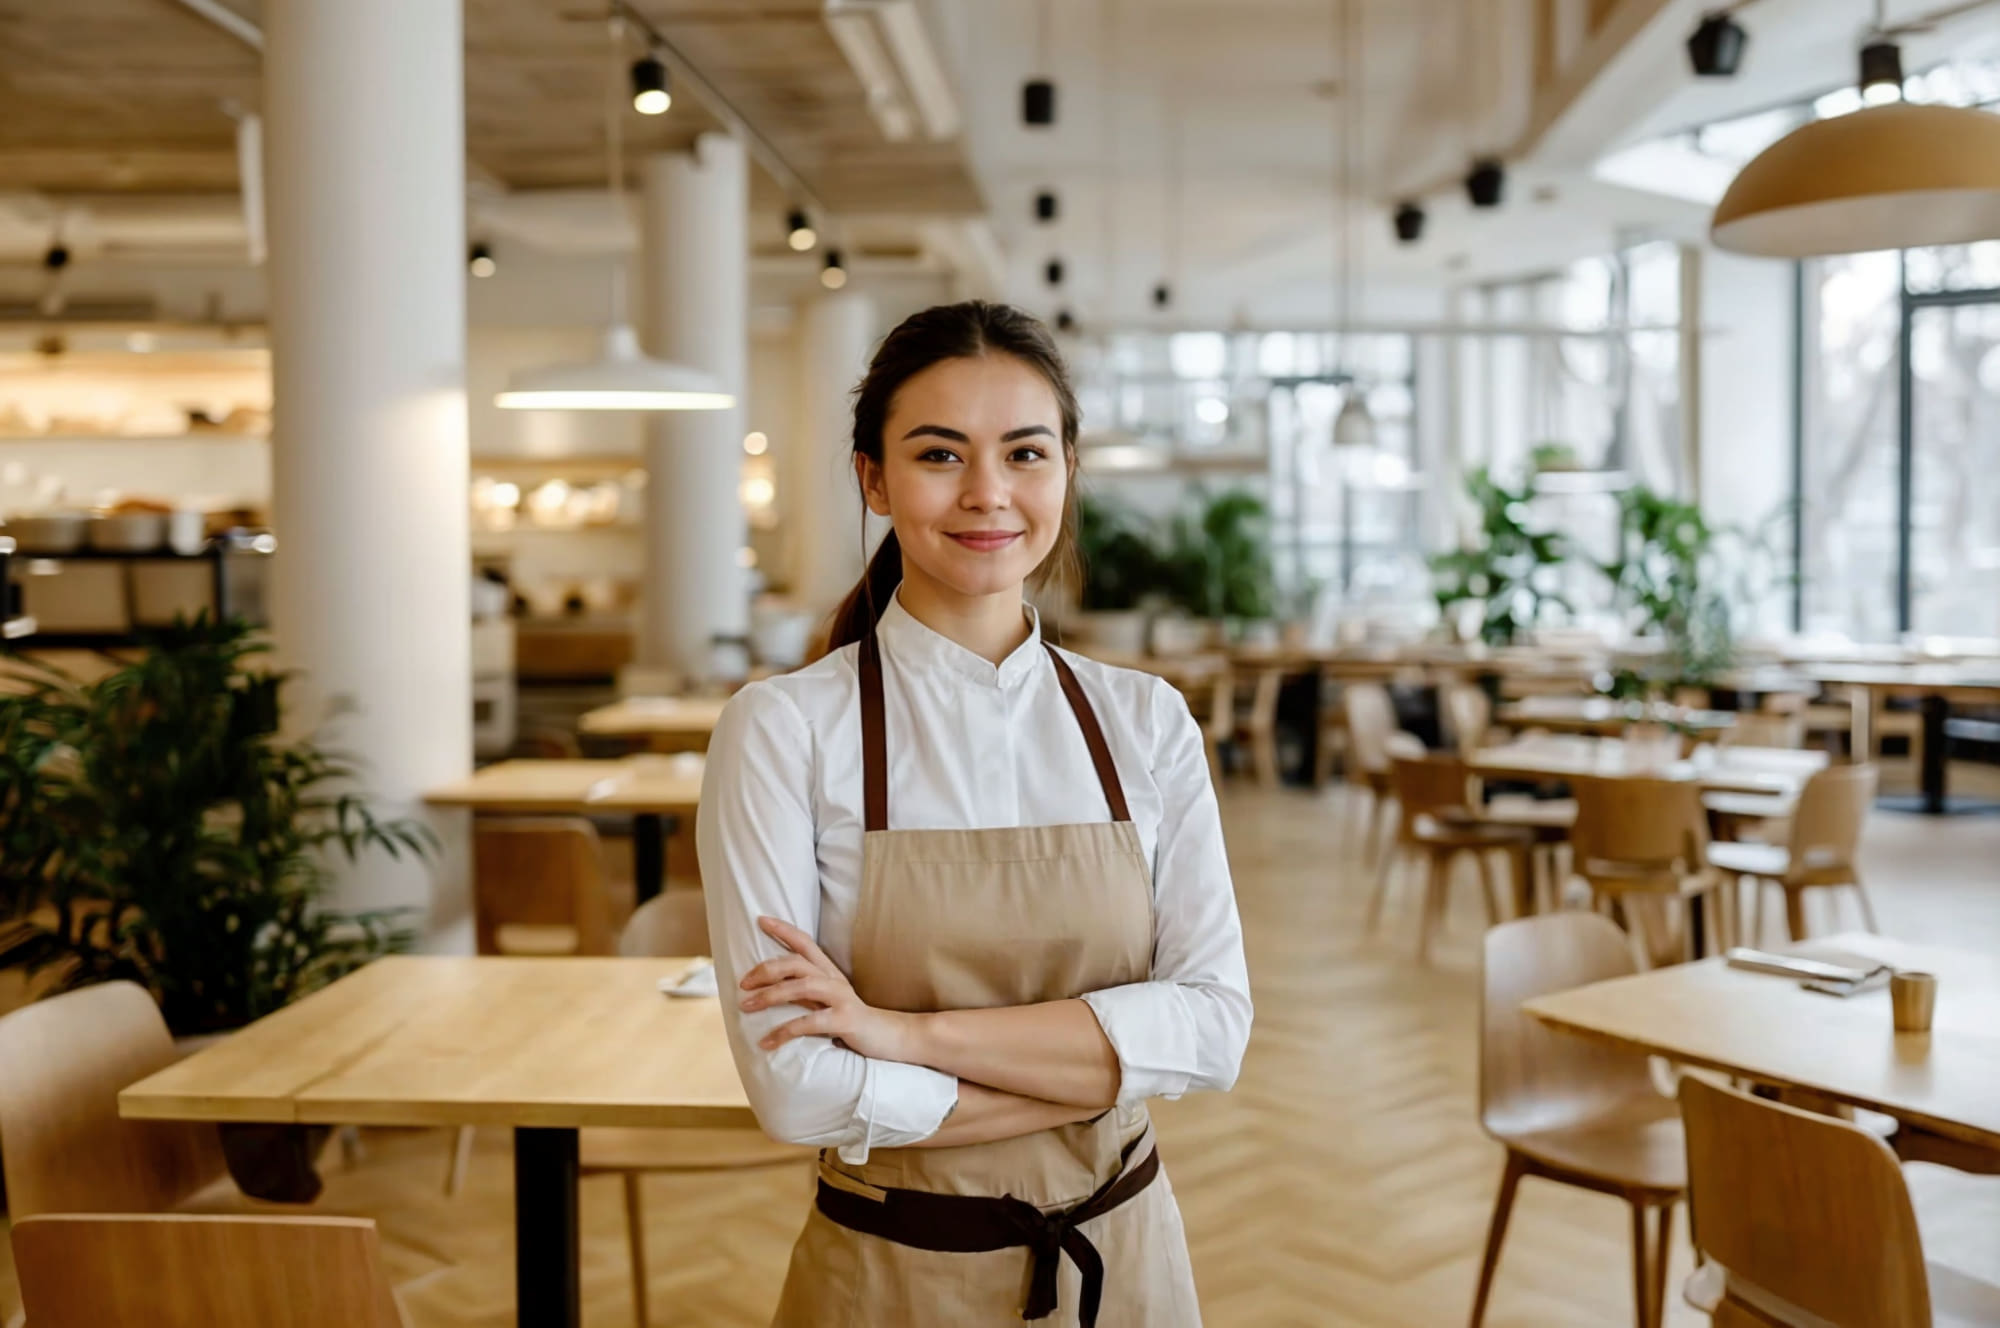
<point x="676" y="718"/>
<point x="1599" y="714"/>
<point x="1733" y="769"/>
<point x="461" y="1040"/>
<point x="668" y="785"/>
<point x="1770" y="1029"/>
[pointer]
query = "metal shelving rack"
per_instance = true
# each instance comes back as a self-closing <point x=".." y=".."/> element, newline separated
<point x="22" y="633"/>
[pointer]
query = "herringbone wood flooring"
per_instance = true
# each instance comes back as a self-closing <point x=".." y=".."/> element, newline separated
<point x="1344" y="1182"/>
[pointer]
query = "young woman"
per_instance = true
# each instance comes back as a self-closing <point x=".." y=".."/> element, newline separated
<point x="967" y="892"/>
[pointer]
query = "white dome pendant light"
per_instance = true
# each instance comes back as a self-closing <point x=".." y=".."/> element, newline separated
<point x="622" y="377"/>
<point x="1353" y="427"/>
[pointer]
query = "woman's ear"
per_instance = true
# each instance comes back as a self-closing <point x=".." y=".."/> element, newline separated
<point x="868" y="473"/>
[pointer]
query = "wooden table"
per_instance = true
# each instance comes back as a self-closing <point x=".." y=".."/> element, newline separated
<point x="1599" y="714"/>
<point x="1729" y="769"/>
<point x="1937" y="685"/>
<point x="651" y="788"/>
<point x="667" y="723"/>
<point x="544" y="1046"/>
<point x="1944" y="1085"/>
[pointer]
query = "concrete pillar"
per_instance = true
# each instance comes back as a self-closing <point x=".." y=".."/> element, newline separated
<point x="365" y="163"/>
<point x="836" y="338"/>
<point x="695" y="294"/>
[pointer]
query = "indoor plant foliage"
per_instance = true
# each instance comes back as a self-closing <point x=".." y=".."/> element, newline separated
<point x="1510" y="570"/>
<point x="155" y="826"/>
<point x="1219" y="559"/>
<point x="1121" y="562"/>
<point x="1667" y="576"/>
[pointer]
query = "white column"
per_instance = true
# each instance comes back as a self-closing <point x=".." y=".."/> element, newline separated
<point x="836" y="337"/>
<point x="695" y="283"/>
<point x="365" y="162"/>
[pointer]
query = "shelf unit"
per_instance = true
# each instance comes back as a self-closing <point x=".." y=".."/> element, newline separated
<point x="21" y="631"/>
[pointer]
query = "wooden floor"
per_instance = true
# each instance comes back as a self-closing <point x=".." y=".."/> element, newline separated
<point x="1344" y="1182"/>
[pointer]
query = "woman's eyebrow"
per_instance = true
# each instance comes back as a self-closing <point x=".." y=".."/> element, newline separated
<point x="953" y="435"/>
<point x="1015" y="435"/>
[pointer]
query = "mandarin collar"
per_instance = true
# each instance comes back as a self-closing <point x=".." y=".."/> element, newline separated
<point x="913" y="643"/>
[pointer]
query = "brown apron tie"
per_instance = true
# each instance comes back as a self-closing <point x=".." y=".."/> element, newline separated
<point x="875" y="740"/>
<point x="976" y="1224"/>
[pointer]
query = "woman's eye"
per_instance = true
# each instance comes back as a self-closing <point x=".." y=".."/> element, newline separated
<point x="1029" y="454"/>
<point x="937" y="455"/>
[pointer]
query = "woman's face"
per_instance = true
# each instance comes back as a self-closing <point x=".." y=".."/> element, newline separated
<point x="972" y="473"/>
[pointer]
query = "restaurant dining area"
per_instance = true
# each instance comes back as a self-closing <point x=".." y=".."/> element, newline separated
<point x="514" y="809"/>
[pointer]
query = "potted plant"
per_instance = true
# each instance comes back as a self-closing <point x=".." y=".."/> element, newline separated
<point x="1508" y="575"/>
<point x="155" y="826"/>
<point x="1219" y="564"/>
<point x="1121" y="573"/>
<point x="1667" y="578"/>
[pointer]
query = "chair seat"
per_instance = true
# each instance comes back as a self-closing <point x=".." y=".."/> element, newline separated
<point x="1469" y="832"/>
<point x="1549" y="818"/>
<point x="1767" y="860"/>
<point x="1637" y="1142"/>
<point x="610" y="1148"/>
<point x="1750" y="806"/>
<point x="1957" y="1301"/>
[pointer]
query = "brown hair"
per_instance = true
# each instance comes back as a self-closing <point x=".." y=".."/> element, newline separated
<point x="950" y="332"/>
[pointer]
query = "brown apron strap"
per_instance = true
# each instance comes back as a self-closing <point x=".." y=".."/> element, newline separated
<point x="875" y="740"/>
<point x="1093" y="736"/>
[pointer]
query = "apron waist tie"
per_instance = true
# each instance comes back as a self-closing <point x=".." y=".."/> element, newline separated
<point x="978" y="1224"/>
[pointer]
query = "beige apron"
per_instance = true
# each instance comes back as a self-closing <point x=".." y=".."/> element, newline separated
<point x="973" y="919"/>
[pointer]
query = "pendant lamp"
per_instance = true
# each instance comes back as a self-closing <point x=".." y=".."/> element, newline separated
<point x="1353" y="427"/>
<point x="622" y="377"/>
<point x="1889" y="176"/>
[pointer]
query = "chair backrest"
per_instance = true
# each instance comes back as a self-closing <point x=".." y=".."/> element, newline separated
<point x="1469" y="712"/>
<point x="1826" y="823"/>
<point x="1765" y="728"/>
<point x="1810" y="1212"/>
<point x="1263" y="706"/>
<point x="538" y="887"/>
<point x="184" y="1271"/>
<point x="63" y="1061"/>
<point x="673" y="923"/>
<point x="1427" y="784"/>
<point x="1631" y="823"/>
<point x="1371" y="718"/>
<point x="1527" y="1070"/>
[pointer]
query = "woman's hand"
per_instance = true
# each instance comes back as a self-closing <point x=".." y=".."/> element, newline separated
<point x="806" y="977"/>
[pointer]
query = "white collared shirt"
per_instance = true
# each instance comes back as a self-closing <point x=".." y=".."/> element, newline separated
<point x="971" y="745"/>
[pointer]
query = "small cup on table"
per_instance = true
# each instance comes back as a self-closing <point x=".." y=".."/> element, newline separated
<point x="1913" y="1000"/>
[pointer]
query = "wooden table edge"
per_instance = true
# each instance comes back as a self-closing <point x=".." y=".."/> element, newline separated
<point x="135" y="1103"/>
<point x="1956" y="1130"/>
<point x="523" y="1115"/>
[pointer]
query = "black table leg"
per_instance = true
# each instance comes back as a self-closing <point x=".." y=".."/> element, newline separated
<point x="1936" y="749"/>
<point x="547" y="1289"/>
<point x="649" y="854"/>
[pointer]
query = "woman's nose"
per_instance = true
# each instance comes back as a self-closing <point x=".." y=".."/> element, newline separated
<point x="985" y="488"/>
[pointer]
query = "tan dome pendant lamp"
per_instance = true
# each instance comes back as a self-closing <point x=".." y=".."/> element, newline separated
<point x="1890" y="176"/>
<point x="622" y="377"/>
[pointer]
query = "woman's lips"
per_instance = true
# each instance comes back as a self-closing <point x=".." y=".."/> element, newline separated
<point x="985" y="541"/>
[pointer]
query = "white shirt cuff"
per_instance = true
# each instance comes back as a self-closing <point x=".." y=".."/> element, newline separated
<point x="900" y="1104"/>
<point x="1155" y="1046"/>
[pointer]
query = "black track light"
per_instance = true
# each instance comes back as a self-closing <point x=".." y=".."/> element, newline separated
<point x="834" y="275"/>
<point x="1163" y="295"/>
<point x="650" y="93"/>
<point x="1038" y="102"/>
<point x="480" y="261"/>
<point x="1486" y="182"/>
<point x="1054" y="272"/>
<point x="1065" y="321"/>
<point x="1881" y="72"/>
<point x="57" y="258"/>
<point x="1045" y="205"/>
<point x="1409" y="220"/>
<point x="1716" y="48"/>
<point x="799" y="233"/>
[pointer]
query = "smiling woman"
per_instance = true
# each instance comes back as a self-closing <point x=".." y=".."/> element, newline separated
<point x="972" y="1009"/>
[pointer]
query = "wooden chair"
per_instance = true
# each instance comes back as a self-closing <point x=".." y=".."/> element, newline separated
<point x="673" y="923"/>
<point x="1212" y="702"/>
<point x="1437" y="823"/>
<point x="182" y="1271"/>
<point x="1578" y="1112"/>
<point x="1468" y="713"/>
<point x="1256" y="725"/>
<point x="1371" y="719"/>
<point x="1765" y="728"/>
<point x="1805" y="1220"/>
<point x="1642" y="846"/>
<point x="1821" y="849"/>
<point x="538" y="887"/>
<point x="65" y="1148"/>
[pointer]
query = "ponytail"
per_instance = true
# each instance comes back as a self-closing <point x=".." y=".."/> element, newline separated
<point x="947" y="332"/>
<point x="865" y="604"/>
